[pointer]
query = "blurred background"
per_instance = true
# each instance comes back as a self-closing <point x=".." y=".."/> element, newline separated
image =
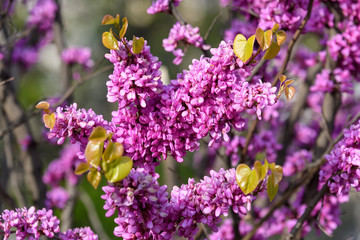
<point x="82" y="20"/>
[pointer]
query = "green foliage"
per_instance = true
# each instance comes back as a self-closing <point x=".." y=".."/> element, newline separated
<point x="269" y="40"/>
<point x="110" y="40"/>
<point x="110" y="162"/>
<point x="243" y="48"/>
<point x="138" y="44"/>
<point x="249" y="180"/>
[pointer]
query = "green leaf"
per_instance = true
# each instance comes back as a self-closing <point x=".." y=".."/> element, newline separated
<point x="49" y="120"/>
<point x="110" y="41"/>
<point x="243" y="48"/>
<point x="108" y="19"/>
<point x="94" y="177"/>
<point x="124" y="27"/>
<point x="272" y="187"/>
<point x="117" y="169"/>
<point x="275" y="27"/>
<point x="290" y="93"/>
<point x="246" y="178"/>
<point x="277" y="171"/>
<point x="267" y="39"/>
<point x="272" y="51"/>
<point x="113" y="151"/>
<point x="260" y="37"/>
<point x="138" y="44"/>
<point x="261" y="169"/>
<point x="98" y="134"/>
<point x="93" y="152"/>
<point x="82" y="168"/>
<point x="280" y="37"/>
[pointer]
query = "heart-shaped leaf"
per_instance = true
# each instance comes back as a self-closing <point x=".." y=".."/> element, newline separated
<point x="280" y="37"/>
<point x="82" y="168"/>
<point x="272" y="187"/>
<point x="275" y="27"/>
<point x="98" y="134"/>
<point x="113" y="151"/>
<point x="117" y="169"/>
<point x="93" y="152"/>
<point x="272" y="51"/>
<point x="282" y="78"/>
<point x="277" y="171"/>
<point x="49" y="120"/>
<point x="246" y="178"/>
<point x="138" y="45"/>
<point x="262" y="170"/>
<point x="94" y="177"/>
<point x="290" y="93"/>
<point x="259" y="34"/>
<point x="110" y="41"/>
<point x="124" y="27"/>
<point x="243" y="48"/>
<point x="108" y="19"/>
<point x="267" y="39"/>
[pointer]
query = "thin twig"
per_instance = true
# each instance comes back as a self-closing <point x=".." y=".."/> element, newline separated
<point x="7" y="80"/>
<point x="212" y="25"/>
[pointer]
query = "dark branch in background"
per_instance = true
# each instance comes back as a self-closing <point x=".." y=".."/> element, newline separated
<point x="281" y="71"/>
<point x="307" y="212"/>
<point x="27" y="116"/>
<point x="212" y="25"/>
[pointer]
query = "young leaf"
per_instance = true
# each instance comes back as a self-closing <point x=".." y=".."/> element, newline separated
<point x="290" y="93"/>
<point x="42" y="105"/>
<point x="272" y="51"/>
<point x="261" y="170"/>
<point x="260" y="37"/>
<point x="138" y="44"/>
<point x="280" y="37"/>
<point x="108" y="19"/>
<point x="98" y="134"/>
<point x="267" y="39"/>
<point x="124" y="27"/>
<point x="275" y="27"/>
<point x="272" y="187"/>
<point x="93" y="152"/>
<point x="49" y="120"/>
<point x="113" y="151"/>
<point x="288" y="82"/>
<point x="82" y="168"/>
<point x="117" y="169"/>
<point x="246" y="179"/>
<point x="282" y="78"/>
<point x="109" y="41"/>
<point x="94" y="177"/>
<point x="243" y="48"/>
<point x="277" y="171"/>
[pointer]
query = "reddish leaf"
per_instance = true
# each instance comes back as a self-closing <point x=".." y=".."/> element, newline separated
<point x="124" y="27"/>
<point x="108" y="19"/>
<point x="94" y="177"/>
<point x="43" y="105"/>
<point x="49" y="120"/>
<point x="290" y="93"/>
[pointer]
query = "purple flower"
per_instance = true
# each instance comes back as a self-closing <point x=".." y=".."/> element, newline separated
<point x="183" y="35"/>
<point x="84" y="233"/>
<point x="56" y="198"/>
<point x="80" y="56"/>
<point x="162" y="6"/>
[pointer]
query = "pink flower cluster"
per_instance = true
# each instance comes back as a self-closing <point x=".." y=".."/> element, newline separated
<point x="80" y="56"/>
<point x="29" y="223"/>
<point x="162" y="6"/>
<point x="40" y="21"/>
<point x="58" y="170"/>
<point x="342" y="171"/>
<point x="32" y="224"/>
<point x="76" y="124"/>
<point x="84" y="233"/>
<point x="145" y="212"/>
<point x="183" y="35"/>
